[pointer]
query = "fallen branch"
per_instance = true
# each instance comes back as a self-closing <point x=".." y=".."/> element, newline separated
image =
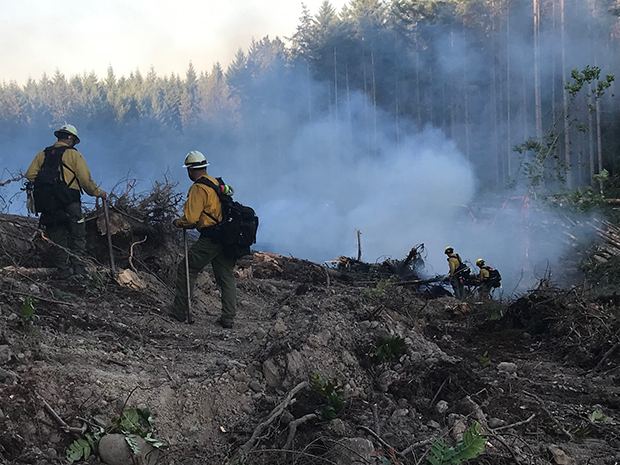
<point x="131" y="253"/>
<point x="22" y="270"/>
<point x="275" y="413"/>
<point x="605" y="357"/>
<point x="63" y="425"/>
<point x="376" y="436"/>
<point x="519" y="423"/>
<point x="424" y="442"/>
<point x="555" y="420"/>
<point x="15" y="178"/>
<point x="292" y="428"/>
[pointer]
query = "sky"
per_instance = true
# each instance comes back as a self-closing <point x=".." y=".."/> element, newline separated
<point x="77" y="36"/>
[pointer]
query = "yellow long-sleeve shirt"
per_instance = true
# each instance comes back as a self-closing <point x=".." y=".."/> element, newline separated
<point x="202" y="201"/>
<point x="74" y="161"/>
<point x="484" y="274"/>
<point x="453" y="262"/>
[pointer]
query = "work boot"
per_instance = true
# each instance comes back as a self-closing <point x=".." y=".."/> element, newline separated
<point x="226" y="324"/>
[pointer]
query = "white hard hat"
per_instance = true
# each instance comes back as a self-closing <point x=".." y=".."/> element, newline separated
<point x="68" y="129"/>
<point x="195" y="160"/>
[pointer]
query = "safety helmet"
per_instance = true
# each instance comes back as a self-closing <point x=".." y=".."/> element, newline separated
<point x="67" y="130"/>
<point x="448" y="250"/>
<point x="195" y="160"/>
<point x="479" y="262"/>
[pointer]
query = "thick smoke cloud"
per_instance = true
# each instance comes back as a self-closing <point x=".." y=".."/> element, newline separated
<point x="314" y="184"/>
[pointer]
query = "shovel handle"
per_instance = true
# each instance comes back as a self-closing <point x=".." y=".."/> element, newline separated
<point x="190" y="318"/>
<point x="107" y="231"/>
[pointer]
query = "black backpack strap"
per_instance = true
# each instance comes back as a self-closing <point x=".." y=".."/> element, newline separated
<point x="215" y="187"/>
<point x="62" y="150"/>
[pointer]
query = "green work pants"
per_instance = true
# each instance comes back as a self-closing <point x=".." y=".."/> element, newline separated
<point x="71" y="234"/>
<point x="458" y="287"/>
<point x="203" y="252"/>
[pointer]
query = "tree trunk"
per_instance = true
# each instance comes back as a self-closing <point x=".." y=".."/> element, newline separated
<point x="599" y="141"/>
<point x="567" y="157"/>
<point x="591" y="141"/>
<point x="538" y="100"/>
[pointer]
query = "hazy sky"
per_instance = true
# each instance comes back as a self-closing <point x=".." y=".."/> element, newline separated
<point x="89" y="35"/>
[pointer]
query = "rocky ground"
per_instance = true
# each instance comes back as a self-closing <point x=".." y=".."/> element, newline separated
<point x="539" y="374"/>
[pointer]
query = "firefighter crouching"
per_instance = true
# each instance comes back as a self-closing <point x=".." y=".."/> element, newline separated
<point x="59" y="174"/>
<point x="458" y="272"/>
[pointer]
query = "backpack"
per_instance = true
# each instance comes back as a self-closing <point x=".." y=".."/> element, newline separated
<point x="494" y="277"/>
<point x="462" y="271"/>
<point x="237" y="230"/>
<point x="52" y="193"/>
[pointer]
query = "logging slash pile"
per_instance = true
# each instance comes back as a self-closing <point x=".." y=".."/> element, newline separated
<point x="340" y="364"/>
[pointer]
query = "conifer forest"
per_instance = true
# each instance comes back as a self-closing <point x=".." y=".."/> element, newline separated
<point x="491" y="74"/>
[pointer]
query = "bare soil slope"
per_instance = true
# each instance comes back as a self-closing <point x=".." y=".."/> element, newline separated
<point x="531" y="373"/>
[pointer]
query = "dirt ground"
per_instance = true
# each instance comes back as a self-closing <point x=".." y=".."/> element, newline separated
<point x="531" y="372"/>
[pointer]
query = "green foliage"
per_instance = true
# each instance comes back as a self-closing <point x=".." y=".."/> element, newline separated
<point x="484" y="360"/>
<point x="389" y="347"/>
<point x="581" y="200"/>
<point x="589" y="75"/>
<point x="79" y="449"/>
<point x="599" y="417"/>
<point x="332" y="393"/>
<point x="131" y="423"/>
<point x="379" y="288"/>
<point x="472" y="444"/>
<point x="28" y="311"/>
<point x="83" y="448"/>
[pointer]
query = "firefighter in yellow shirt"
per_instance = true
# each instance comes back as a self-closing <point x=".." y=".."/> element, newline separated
<point x="457" y="272"/>
<point x="202" y="210"/>
<point x="60" y="207"/>
<point x="484" y="280"/>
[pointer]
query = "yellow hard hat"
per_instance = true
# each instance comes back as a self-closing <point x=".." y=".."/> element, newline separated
<point x="67" y="130"/>
<point x="195" y="160"/>
<point x="448" y="250"/>
<point x="479" y="262"/>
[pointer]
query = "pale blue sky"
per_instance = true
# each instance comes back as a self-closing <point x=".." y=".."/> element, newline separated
<point x="77" y="36"/>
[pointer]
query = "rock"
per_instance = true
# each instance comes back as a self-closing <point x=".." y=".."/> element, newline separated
<point x="242" y="378"/>
<point x="507" y="367"/>
<point x="34" y="289"/>
<point x="560" y="457"/>
<point x="260" y="333"/>
<point x="399" y="413"/>
<point x="247" y="409"/>
<point x="433" y="424"/>
<point x="114" y="450"/>
<point x="12" y="317"/>
<point x="3" y="376"/>
<point x="278" y="328"/>
<point x="286" y="417"/>
<point x="352" y="451"/>
<point x="386" y="379"/>
<point x="441" y="407"/>
<point x="337" y="427"/>
<point x="496" y="423"/>
<point x="271" y="373"/>
<point x="5" y="354"/>
<point x="255" y="386"/>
